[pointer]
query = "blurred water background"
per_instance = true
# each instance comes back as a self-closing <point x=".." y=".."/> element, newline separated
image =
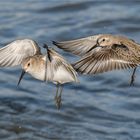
<point x="101" y="107"/>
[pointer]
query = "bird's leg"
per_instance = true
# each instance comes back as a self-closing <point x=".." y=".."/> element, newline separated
<point x="57" y="91"/>
<point x="59" y="101"/>
<point x="133" y="77"/>
<point x="57" y="98"/>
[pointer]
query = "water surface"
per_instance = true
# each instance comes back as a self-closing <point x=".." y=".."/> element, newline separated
<point x="101" y="107"/>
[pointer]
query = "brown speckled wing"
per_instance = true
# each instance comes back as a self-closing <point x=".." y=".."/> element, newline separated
<point x="79" y="46"/>
<point x="117" y="57"/>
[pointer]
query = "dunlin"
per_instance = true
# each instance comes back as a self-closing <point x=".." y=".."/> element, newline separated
<point x="102" y="53"/>
<point x="49" y="67"/>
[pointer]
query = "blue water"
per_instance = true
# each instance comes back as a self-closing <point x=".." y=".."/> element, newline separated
<point x="101" y="107"/>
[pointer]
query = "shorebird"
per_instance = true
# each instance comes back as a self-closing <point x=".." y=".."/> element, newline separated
<point x="103" y="52"/>
<point x="50" y="67"/>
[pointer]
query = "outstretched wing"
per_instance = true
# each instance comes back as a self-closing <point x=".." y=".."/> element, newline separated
<point x="79" y="46"/>
<point x="57" y="66"/>
<point x="14" y="53"/>
<point x="107" y="59"/>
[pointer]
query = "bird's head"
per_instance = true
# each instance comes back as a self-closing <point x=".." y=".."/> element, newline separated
<point x="106" y="40"/>
<point x="28" y="65"/>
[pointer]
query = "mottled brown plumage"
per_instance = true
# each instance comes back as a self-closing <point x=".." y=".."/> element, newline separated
<point x="102" y="53"/>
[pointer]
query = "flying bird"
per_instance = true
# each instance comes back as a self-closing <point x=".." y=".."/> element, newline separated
<point x="102" y="53"/>
<point x="50" y="67"/>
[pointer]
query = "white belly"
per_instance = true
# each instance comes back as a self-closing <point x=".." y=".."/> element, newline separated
<point x="62" y="76"/>
<point x="39" y="75"/>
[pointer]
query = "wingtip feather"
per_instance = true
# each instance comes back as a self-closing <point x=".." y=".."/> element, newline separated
<point x="55" y="43"/>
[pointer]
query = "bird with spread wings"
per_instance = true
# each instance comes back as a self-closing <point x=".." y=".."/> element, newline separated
<point x="103" y="52"/>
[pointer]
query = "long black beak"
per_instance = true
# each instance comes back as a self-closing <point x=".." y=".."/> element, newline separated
<point x="95" y="46"/>
<point x="21" y="76"/>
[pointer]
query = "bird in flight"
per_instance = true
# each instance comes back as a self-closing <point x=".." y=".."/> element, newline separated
<point x="50" y="67"/>
<point x="103" y="52"/>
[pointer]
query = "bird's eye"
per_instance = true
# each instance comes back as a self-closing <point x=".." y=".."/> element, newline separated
<point x="103" y="39"/>
<point x="28" y="64"/>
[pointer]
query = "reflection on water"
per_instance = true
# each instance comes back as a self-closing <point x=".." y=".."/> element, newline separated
<point x="101" y="107"/>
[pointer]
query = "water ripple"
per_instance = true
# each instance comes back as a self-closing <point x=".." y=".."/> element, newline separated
<point x="101" y="107"/>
